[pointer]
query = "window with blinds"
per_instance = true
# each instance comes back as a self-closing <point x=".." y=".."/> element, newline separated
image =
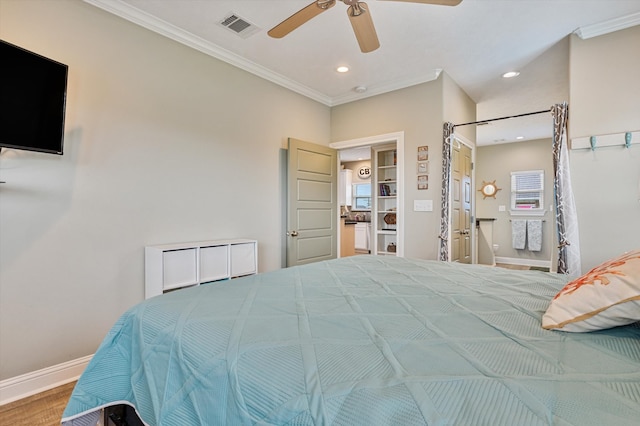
<point x="361" y="196"/>
<point x="527" y="191"/>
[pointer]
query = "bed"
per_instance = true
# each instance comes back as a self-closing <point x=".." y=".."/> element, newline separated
<point x="363" y="340"/>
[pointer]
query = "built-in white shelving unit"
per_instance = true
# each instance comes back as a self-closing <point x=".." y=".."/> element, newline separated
<point x="173" y="266"/>
<point x="385" y="206"/>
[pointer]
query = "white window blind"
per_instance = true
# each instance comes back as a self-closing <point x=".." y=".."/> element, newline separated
<point x="527" y="190"/>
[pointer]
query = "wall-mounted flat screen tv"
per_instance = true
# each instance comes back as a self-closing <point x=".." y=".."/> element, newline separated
<point x="33" y="91"/>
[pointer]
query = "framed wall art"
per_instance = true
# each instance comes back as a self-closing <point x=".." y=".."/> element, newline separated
<point x="423" y="153"/>
<point x="423" y="181"/>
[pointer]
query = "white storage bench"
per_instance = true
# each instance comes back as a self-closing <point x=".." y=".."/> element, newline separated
<point x="172" y="266"/>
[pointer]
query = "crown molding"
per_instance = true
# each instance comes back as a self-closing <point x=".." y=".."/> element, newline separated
<point x="159" y="26"/>
<point x="385" y="88"/>
<point x="132" y="14"/>
<point x="143" y="19"/>
<point x="606" y="27"/>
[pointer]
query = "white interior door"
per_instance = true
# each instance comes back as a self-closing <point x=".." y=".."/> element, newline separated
<point x="461" y="193"/>
<point x="312" y="191"/>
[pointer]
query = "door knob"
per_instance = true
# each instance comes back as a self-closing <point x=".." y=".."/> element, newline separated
<point x="293" y="233"/>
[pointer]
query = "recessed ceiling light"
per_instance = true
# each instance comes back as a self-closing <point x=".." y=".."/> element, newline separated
<point x="360" y="89"/>
<point x="511" y="74"/>
<point x="342" y="69"/>
<point x="519" y="137"/>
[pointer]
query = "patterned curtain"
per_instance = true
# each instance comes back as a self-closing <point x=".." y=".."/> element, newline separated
<point x="447" y="134"/>
<point x="566" y="214"/>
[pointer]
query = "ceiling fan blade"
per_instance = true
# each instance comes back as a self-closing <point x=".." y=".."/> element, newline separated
<point x="299" y="18"/>
<point x="362" y="24"/>
<point x="440" y="2"/>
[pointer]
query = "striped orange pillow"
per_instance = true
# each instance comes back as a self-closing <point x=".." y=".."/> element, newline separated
<point x="606" y="296"/>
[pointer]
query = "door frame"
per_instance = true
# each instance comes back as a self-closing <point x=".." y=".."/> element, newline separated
<point x="472" y="147"/>
<point x="387" y="138"/>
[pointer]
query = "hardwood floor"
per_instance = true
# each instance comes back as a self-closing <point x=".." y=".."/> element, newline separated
<point x="43" y="409"/>
<point x="522" y="267"/>
<point x="509" y="266"/>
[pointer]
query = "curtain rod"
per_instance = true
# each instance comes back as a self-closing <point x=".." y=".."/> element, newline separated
<point x="502" y="118"/>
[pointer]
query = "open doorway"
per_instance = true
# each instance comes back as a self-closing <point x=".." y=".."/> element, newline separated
<point x="506" y="147"/>
<point x="369" y="228"/>
<point x="355" y="200"/>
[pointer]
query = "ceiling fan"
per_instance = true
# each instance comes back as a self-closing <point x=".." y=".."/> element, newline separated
<point x="359" y="16"/>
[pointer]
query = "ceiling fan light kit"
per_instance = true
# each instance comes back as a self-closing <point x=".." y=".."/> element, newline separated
<point x="359" y="16"/>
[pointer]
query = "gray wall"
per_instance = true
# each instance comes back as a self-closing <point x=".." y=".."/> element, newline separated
<point x="496" y="162"/>
<point x="163" y="144"/>
<point x="419" y="111"/>
<point x="605" y="99"/>
<point x="158" y="150"/>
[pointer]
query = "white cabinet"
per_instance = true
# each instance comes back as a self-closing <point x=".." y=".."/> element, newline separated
<point x="345" y="180"/>
<point x="362" y="236"/>
<point x="173" y="266"/>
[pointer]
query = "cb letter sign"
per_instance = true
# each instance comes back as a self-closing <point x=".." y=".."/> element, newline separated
<point x="364" y="172"/>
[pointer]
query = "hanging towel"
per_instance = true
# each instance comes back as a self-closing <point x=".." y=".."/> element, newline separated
<point x="534" y="235"/>
<point x="518" y="233"/>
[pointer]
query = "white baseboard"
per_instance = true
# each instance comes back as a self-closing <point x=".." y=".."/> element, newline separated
<point x="526" y="262"/>
<point x="38" y="381"/>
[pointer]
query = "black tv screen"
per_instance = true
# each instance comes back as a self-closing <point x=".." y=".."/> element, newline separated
<point x="33" y="92"/>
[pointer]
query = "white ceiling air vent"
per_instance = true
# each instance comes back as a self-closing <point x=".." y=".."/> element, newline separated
<point x="239" y="25"/>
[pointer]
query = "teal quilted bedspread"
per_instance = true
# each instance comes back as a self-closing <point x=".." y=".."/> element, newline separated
<point x="363" y="340"/>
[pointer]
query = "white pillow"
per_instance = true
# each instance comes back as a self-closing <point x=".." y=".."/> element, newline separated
<point x="605" y="297"/>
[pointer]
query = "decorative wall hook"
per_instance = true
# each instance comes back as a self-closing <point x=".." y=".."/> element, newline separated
<point x="625" y="139"/>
